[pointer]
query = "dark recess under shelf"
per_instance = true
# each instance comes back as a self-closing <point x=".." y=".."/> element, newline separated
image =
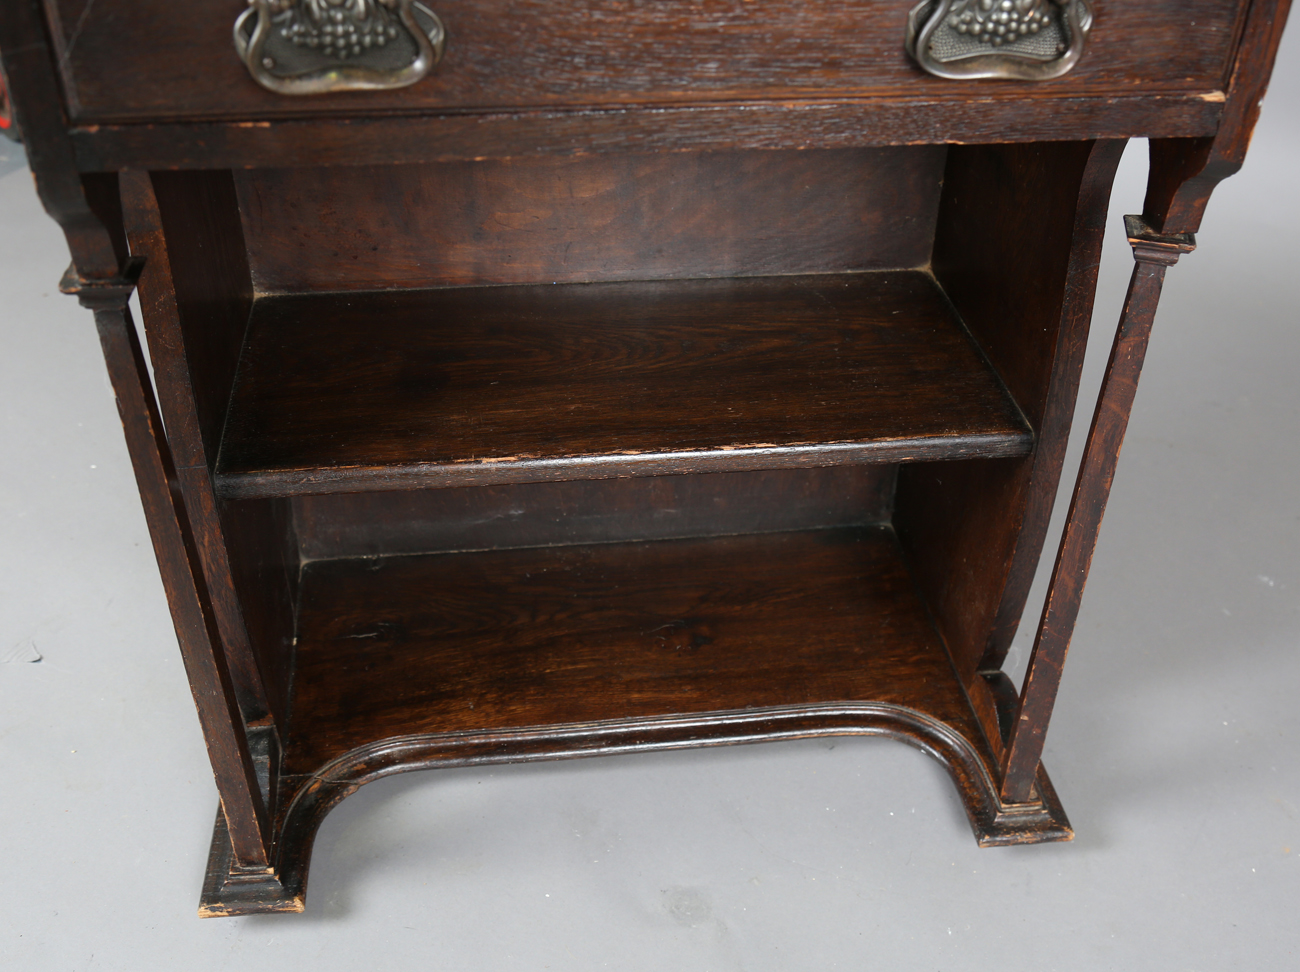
<point x="479" y="386"/>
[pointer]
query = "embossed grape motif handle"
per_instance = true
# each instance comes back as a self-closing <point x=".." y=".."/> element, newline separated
<point x="1030" y="40"/>
<point x="300" y="47"/>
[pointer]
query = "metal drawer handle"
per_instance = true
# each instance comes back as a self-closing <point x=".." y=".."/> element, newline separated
<point x="300" y="47"/>
<point x="1031" y="40"/>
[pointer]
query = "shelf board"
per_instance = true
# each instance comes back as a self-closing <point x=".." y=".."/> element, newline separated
<point x="478" y="386"/>
<point x="511" y="640"/>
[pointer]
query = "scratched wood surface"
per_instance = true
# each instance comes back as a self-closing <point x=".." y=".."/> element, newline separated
<point x="540" y="53"/>
<point x="516" y="638"/>
<point x="514" y="384"/>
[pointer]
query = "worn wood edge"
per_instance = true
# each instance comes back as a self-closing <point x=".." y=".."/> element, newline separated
<point x="1185" y="171"/>
<point x="1012" y="97"/>
<point x="283" y="889"/>
<point x="1046" y="819"/>
<point x="799" y="124"/>
<point x="230" y="890"/>
<point x="1041" y="822"/>
<point x="354" y="479"/>
<point x="1151" y="246"/>
<point x="96" y="293"/>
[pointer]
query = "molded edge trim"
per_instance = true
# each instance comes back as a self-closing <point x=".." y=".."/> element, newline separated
<point x="227" y="892"/>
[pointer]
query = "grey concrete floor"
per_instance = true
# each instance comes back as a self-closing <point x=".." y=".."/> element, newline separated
<point x="1173" y="746"/>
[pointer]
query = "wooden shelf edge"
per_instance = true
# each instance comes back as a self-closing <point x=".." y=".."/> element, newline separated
<point x="821" y="369"/>
<point x="310" y="798"/>
<point x="352" y="479"/>
<point x="498" y="133"/>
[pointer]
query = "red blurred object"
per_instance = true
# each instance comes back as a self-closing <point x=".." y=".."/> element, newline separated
<point x="7" y="125"/>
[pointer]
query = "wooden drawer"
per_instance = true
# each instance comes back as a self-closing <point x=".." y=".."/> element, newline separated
<point x="129" y="60"/>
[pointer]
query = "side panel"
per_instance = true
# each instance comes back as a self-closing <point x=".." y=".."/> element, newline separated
<point x="1017" y="249"/>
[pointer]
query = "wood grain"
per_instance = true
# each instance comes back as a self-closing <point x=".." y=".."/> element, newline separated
<point x="1153" y="255"/>
<point x="535" y="53"/>
<point x="518" y="384"/>
<point x="232" y="890"/>
<point x="548" y="219"/>
<point x="577" y="634"/>
<point x="973" y="531"/>
<point x="593" y="141"/>
<point x="36" y="97"/>
<point x="195" y="296"/>
<point x="198" y="222"/>
<point x="965" y="116"/>
<point x="194" y="328"/>
<point x="174" y="543"/>
<point x="338" y="525"/>
<point x="1184" y="171"/>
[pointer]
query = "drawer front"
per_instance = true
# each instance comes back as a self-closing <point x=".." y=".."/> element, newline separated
<point x="163" y="59"/>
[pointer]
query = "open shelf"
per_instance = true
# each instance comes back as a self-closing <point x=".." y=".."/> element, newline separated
<point x="483" y="386"/>
<point x="507" y="640"/>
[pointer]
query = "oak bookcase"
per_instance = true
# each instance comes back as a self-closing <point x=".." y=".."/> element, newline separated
<point x="620" y="376"/>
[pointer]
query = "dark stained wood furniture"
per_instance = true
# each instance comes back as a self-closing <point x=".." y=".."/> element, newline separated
<point x="646" y="376"/>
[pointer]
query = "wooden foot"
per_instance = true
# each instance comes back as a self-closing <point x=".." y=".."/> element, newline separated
<point x="1040" y="821"/>
<point x="230" y="889"/>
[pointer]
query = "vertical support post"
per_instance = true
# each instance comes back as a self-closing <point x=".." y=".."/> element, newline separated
<point x="1153" y="255"/>
<point x="87" y="209"/>
<point x="173" y="542"/>
<point x="195" y="317"/>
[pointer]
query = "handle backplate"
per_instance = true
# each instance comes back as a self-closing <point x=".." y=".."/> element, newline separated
<point x="299" y="47"/>
<point x="1028" y="40"/>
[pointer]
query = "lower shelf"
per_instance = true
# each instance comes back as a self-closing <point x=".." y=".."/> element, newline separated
<point x="413" y="662"/>
<point x="514" y="639"/>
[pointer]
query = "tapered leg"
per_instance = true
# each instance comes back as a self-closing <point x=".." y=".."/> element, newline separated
<point x="205" y="662"/>
<point x="1153" y="255"/>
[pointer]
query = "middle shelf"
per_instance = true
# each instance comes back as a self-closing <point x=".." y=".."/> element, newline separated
<point x="404" y="389"/>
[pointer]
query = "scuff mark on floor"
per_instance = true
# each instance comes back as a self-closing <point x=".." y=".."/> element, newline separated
<point x="25" y="652"/>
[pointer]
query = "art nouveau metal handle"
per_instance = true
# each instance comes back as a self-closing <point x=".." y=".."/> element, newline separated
<point x="1031" y="40"/>
<point x="302" y="47"/>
